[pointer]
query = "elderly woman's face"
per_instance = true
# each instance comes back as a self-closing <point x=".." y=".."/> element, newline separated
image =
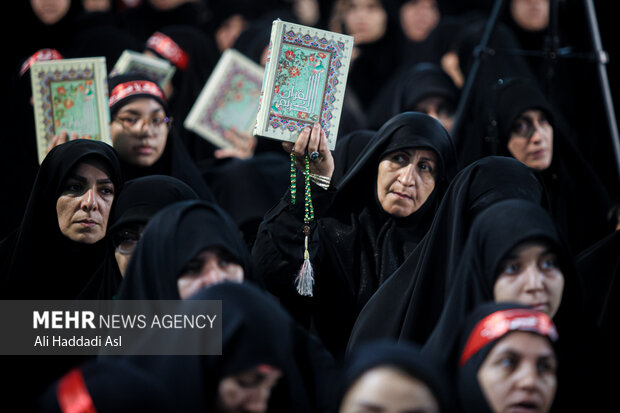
<point x="209" y="267"/>
<point x="519" y="374"/>
<point x="405" y="179"/>
<point x="385" y="389"/>
<point x="530" y="275"/>
<point x="531" y="139"/>
<point x="83" y="206"/>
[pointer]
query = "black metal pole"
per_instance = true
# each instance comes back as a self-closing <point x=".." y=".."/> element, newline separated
<point x="602" y="59"/>
<point x="473" y="73"/>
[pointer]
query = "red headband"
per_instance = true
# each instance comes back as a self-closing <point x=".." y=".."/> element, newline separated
<point x="501" y="322"/>
<point x="40" y="56"/>
<point x="135" y="87"/>
<point x="167" y="47"/>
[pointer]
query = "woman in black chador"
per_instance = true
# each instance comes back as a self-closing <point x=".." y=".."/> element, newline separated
<point x="174" y="255"/>
<point x="408" y="305"/>
<point x="53" y="254"/>
<point x="364" y="229"/>
<point x="520" y="122"/>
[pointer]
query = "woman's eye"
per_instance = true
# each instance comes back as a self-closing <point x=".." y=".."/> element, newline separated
<point x="106" y="190"/>
<point x="549" y="263"/>
<point x="521" y="127"/>
<point x="508" y="362"/>
<point x="546" y="366"/>
<point x="510" y="268"/>
<point x="426" y="167"/>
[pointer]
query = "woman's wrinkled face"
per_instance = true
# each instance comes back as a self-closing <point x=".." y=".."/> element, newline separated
<point x="365" y="20"/>
<point x="139" y="132"/>
<point x="209" y="267"/>
<point x="418" y="18"/>
<point x="84" y="204"/>
<point x="531" y="139"/>
<point x="530" y="275"/>
<point x="387" y="390"/>
<point x="519" y="374"/>
<point x="531" y="15"/>
<point x="248" y="391"/>
<point x="405" y="180"/>
<point x="50" y="11"/>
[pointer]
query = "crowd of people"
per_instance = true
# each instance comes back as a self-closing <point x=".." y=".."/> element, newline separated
<point x="442" y="258"/>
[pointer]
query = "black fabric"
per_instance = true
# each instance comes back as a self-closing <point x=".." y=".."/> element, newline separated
<point x="354" y="247"/>
<point x="407" y="89"/>
<point x="188" y="83"/>
<point x="494" y="233"/>
<point x="376" y="61"/>
<point x="175" y="160"/>
<point x="171" y="239"/>
<point x="145" y="18"/>
<point x="255" y="330"/>
<point x="113" y="387"/>
<point x="581" y="217"/>
<point x="39" y="262"/>
<point x="408" y="305"/>
<point x="404" y="357"/>
<point x="247" y="188"/>
<point x="136" y="202"/>
<point x="348" y="150"/>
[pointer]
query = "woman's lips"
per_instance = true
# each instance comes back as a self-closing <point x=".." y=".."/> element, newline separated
<point x="401" y="195"/>
<point x="144" y="150"/>
<point x="538" y="154"/>
<point x="87" y="223"/>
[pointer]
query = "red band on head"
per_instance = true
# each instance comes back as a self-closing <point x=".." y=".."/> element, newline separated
<point x="72" y="394"/>
<point x="136" y="87"/>
<point x="168" y="48"/>
<point x="499" y="323"/>
<point x="40" y="56"/>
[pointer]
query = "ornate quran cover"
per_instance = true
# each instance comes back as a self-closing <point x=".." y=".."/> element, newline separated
<point x="229" y="99"/>
<point x="158" y="69"/>
<point x="70" y="95"/>
<point x="304" y="82"/>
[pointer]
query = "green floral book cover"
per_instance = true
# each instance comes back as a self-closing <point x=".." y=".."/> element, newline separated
<point x="70" y="95"/>
<point x="305" y="80"/>
<point x="158" y="69"/>
<point x="229" y="99"/>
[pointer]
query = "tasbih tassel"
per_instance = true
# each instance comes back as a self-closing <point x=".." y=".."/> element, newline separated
<point x="304" y="281"/>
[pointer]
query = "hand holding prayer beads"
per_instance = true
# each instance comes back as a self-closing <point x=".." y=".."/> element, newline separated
<point x="312" y="140"/>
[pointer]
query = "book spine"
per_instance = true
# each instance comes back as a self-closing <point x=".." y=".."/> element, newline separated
<point x="264" y="105"/>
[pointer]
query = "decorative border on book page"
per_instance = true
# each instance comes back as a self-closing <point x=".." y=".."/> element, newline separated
<point x="229" y="99"/>
<point x="309" y="83"/>
<point x="157" y="69"/>
<point x="71" y="95"/>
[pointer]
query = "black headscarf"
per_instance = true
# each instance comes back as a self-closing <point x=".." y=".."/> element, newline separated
<point x="255" y="330"/>
<point x="408" y="305"/>
<point x="171" y="239"/>
<point x="471" y="397"/>
<point x="494" y="233"/>
<point x="405" y="357"/>
<point x="348" y="150"/>
<point x="38" y="260"/>
<point x="188" y="80"/>
<point x="412" y="86"/>
<point x="136" y="202"/>
<point x="175" y="160"/>
<point x="581" y="216"/>
<point x="354" y="246"/>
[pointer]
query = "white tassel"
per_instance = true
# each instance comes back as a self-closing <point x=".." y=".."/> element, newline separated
<point x="305" y="278"/>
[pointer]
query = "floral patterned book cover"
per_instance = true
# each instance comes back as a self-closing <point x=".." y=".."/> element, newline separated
<point x="305" y="80"/>
<point x="70" y="95"/>
<point x="229" y="99"/>
<point x="158" y="69"/>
